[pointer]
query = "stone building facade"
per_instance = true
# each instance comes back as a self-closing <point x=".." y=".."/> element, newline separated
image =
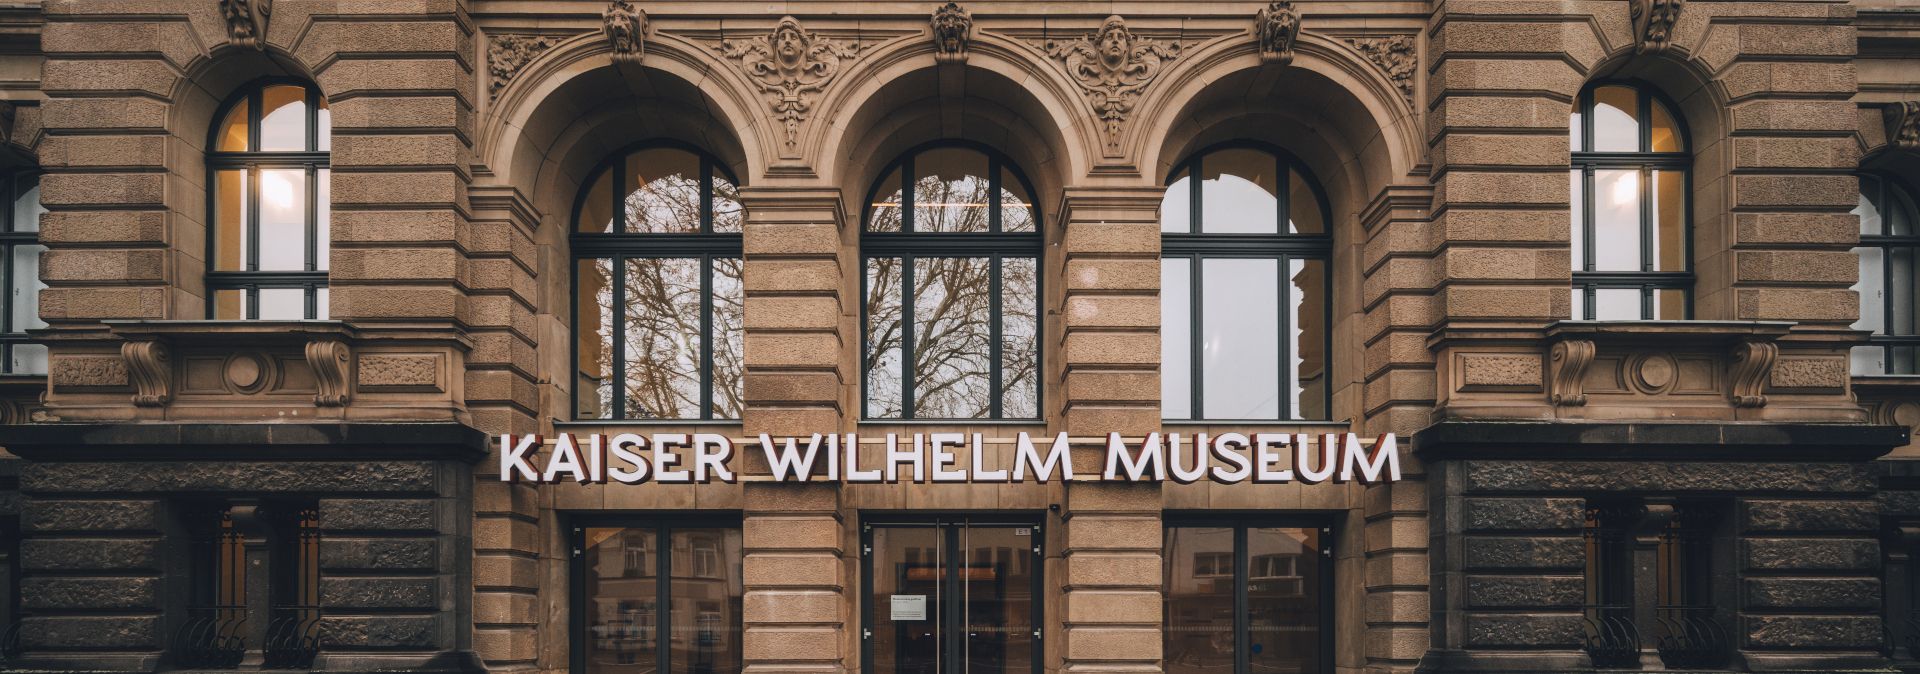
<point x="1633" y="281"/>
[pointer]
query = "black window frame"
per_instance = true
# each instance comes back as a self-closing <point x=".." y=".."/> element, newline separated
<point x="950" y="525"/>
<point x="11" y="237"/>
<point x="1585" y="160"/>
<point x="312" y="281"/>
<point x="1240" y="522"/>
<point x="620" y="246"/>
<point x="995" y="245"/>
<point x="1195" y="245"/>
<point x="1885" y="243"/>
<point x="662" y="523"/>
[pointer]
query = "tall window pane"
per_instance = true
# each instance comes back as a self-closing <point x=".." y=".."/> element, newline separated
<point x="1308" y="376"/>
<point x="593" y="332"/>
<point x="1240" y="328"/>
<point x="1198" y="579"/>
<point x="728" y="335"/>
<point x="1630" y="211"/>
<point x="1020" y="337"/>
<point x="633" y="623"/>
<point x="20" y="284"/>
<point x="1888" y="281"/>
<point x="662" y="339"/>
<point x="1241" y="597"/>
<point x="1176" y="338"/>
<point x="885" y="337"/>
<point x="1284" y="616"/>
<point x="268" y="243"/>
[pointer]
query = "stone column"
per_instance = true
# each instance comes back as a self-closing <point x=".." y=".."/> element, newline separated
<point x="1109" y="359"/>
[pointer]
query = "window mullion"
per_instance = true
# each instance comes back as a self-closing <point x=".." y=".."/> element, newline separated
<point x="706" y="337"/>
<point x="994" y="338"/>
<point x="1242" y="623"/>
<point x="1197" y="337"/>
<point x="1284" y="392"/>
<point x="663" y="600"/>
<point x="906" y="336"/>
<point x="618" y="312"/>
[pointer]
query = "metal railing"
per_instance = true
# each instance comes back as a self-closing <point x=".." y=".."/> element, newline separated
<point x="213" y="637"/>
<point x="293" y="637"/>
<point x="1613" y="641"/>
<point x="1691" y="637"/>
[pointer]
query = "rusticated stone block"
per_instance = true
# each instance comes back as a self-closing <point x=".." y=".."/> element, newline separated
<point x="1501" y="514"/>
<point x="1813" y="593"/>
<point x="1562" y="476"/>
<point x="89" y="554"/>
<point x="377" y="515"/>
<point x="791" y="606"/>
<point x="1113" y="643"/>
<point x="271" y="477"/>
<point x="1525" y="591"/>
<point x="363" y="632"/>
<point x="1810" y="516"/>
<point x="1529" y="630"/>
<point x="69" y="632"/>
<point x="792" y="643"/>
<point x="1776" y="554"/>
<point x="1809" y="373"/>
<point x="1533" y="552"/>
<point x="1813" y="631"/>
<point x="1500" y="371"/>
<point x="48" y="516"/>
<point x="372" y="593"/>
<point x="62" y="593"/>
<point x="387" y="554"/>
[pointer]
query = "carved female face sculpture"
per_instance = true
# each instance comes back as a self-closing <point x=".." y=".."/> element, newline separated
<point x="789" y="46"/>
<point x="1113" y="44"/>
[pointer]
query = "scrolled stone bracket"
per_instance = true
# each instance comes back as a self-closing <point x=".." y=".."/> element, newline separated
<point x="1752" y="367"/>
<point x="1653" y="22"/>
<point x="150" y="366"/>
<point x="1567" y="374"/>
<point x="1903" y="125"/>
<point x="332" y="363"/>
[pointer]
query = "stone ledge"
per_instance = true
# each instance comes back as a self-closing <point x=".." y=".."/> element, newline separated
<point x="1742" y="441"/>
<point x="386" y="441"/>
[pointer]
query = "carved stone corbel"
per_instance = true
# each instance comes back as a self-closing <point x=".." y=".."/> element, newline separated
<point x="1752" y="367"/>
<point x="1275" y="28"/>
<point x="247" y="21"/>
<point x="1566" y="381"/>
<point x="952" y="33"/>
<point x="1903" y="125"/>
<point x="1653" y="23"/>
<point x="332" y="364"/>
<point x="626" y="29"/>
<point x="151" y="369"/>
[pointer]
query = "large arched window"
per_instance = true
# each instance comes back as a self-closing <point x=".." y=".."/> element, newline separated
<point x="1889" y="303"/>
<point x="1630" y="190"/>
<point x="657" y="294"/>
<point x="951" y="245"/>
<point x="20" y="275"/>
<point x="269" y="184"/>
<point x="1244" y="314"/>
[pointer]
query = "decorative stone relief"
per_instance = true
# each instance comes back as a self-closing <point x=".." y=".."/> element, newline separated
<point x="1752" y="369"/>
<point x="789" y="65"/>
<point x="1654" y="373"/>
<point x="626" y="29"/>
<point x="952" y="31"/>
<point x="1498" y="371"/>
<point x="1653" y="23"/>
<point x="1903" y="125"/>
<point x="245" y="373"/>
<point x="1113" y="66"/>
<point x="1275" y="28"/>
<point x="1394" y="54"/>
<point x="1566" y="384"/>
<point x="331" y="361"/>
<point x="246" y="21"/>
<point x="152" y="370"/>
<point x="411" y="372"/>
<point x="1809" y="373"/>
<point x="73" y="372"/>
<point x="507" y="54"/>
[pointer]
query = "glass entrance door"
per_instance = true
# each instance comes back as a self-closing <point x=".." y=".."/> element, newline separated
<point x="952" y="596"/>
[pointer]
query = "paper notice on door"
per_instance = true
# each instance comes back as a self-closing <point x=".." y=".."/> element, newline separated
<point x="909" y="607"/>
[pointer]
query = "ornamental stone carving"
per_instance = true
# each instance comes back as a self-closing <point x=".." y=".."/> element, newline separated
<point x="1275" y="28"/>
<point x="952" y="31"/>
<point x="1113" y="66"/>
<point x="1653" y="23"/>
<point x="626" y="29"/>
<point x="1752" y="370"/>
<point x="507" y="54"/>
<point x="1903" y="125"/>
<point x="246" y="21"/>
<point x="151" y="368"/>
<point x="332" y="364"/>
<point x="1567" y="383"/>
<point x="790" y="65"/>
<point x="1394" y="54"/>
<point x="84" y="372"/>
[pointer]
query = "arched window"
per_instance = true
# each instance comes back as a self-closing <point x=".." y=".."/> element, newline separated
<point x="657" y="294"/>
<point x="1889" y="247"/>
<point x="20" y="275"/>
<point x="1244" y="315"/>
<point x="268" y="204"/>
<point x="951" y="245"/>
<point x="1630" y="188"/>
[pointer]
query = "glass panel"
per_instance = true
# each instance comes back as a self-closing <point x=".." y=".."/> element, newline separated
<point x="729" y="338"/>
<point x="1240" y="331"/>
<point x="1616" y="219"/>
<point x="1616" y="304"/>
<point x="1900" y="284"/>
<point x="885" y="215"/>
<point x="24" y="304"/>
<point x="622" y="615"/>
<point x="1869" y="209"/>
<point x="28" y="359"/>
<point x="1307" y="369"/>
<point x="1239" y="192"/>
<point x="1869" y="360"/>
<point x="322" y="304"/>
<point x="705" y="601"/>
<point x="950" y="190"/>
<point x="1019" y="339"/>
<point x="1016" y="206"/>
<point x="596" y="208"/>
<point x="323" y="220"/>
<point x="1872" y="288"/>
<point x="1576" y="131"/>
<point x="662" y="339"/>
<point x="1283" y="601"/>
<point x="1305" y="217"/>
<point x="1176" y="338"/>
<point x="230" y="195"/>
<point x="1577" y="192"/>
<point x="1664" y="131"/>
<point x="1578" y="301"/>
<point x="908" y="566"/>
<point x="1900" y="213"/>
<point x="283" y="220"/>
<point x="663" y="191"/>
<point x="881" y="361"/>
<point x="1670" y="304"/>
<point x="1176" y="208"/>
<point x="728" y="215"/>
<point x="996" y="595"/>
<point x="1616" y="123"/>
<point x="323" y="121"/>
<point x="593" y="371"/>
<point x="282" y="304"/>
<point x="233" y="130"/>
<point x="229" y="305"/>
<point x="1198" y="571"/>
<point x="951" y="347"/>
<point x="1669" y="220"/>
<point x="26" y="206"/>
<point x="283" y="119"/>
<point x="1900" y="360"/>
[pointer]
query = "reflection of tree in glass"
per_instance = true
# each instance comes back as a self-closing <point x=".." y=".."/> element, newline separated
<point x="727" y="211"/>
<point x="1019" y="342"/>
<point x="666" y="204"/>
<point x="882" y="359"/>
<point x="957" y="205"/>
<point x="662" y="339"/>
<point x="729" y="345"/>
<point x="952" y="355"/>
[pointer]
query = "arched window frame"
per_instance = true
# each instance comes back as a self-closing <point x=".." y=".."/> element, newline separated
<point x="1893" y="199"/>
<point x="19" y="275"/>
<point x="1585" y="161"/>
<point x="1197" y="245"/>
<point x="994" y="244"/>
<point x="314" y="161"/>
<point x="706" y="245"/>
